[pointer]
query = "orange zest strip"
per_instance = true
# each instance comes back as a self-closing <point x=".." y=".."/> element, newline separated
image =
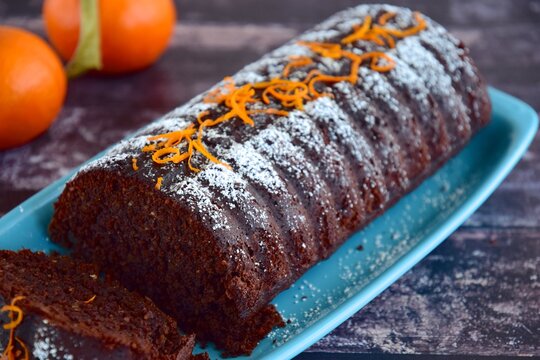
<point x="311" y="75"/>
<point x="190" y="151"/>
<point x="297" y="61"/>
<point x="172" y="138"/>
<point x="421" y="24"/>
<point x="200" y="147"/>
<point x="387" y="16"/>
<point x="134" y="164"/>
<point x="212" y="122"/>
<point x="356" y="60"/>
<point x="326" y="79"/>
<point x="201" y="115"/>
<point x="149" y="148"/>
<point x="269" y="112"/>
<point x="12" y="308"/>
<point x="166" y="155"/>
<point x="238" y="101"/>
<point x="90" y="300"/>
<point x="10" y="351"/>
<point x="158" y="183"/>
<point x="382" y="68"/>
<point x="328" y="50"/>
<point x="359" y="32"/>
<point x="14" y="323"/>
<point x="289" y="94"/>
<point x="381" y="35"/>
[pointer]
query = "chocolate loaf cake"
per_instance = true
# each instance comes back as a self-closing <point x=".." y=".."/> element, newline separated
<point x="224" y="202"/>
<point x="58" y="308"/>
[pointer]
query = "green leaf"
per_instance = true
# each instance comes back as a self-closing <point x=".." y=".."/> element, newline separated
<point x="88" y="53"/>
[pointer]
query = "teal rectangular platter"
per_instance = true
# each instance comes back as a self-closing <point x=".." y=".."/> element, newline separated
<point x="336" y="288"/>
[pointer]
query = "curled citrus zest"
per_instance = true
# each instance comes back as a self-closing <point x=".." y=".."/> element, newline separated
<point x="90" y="300"/>
<point x="356" y="60"/>
<point x="10" y="351"/>
<point x="310" y="75"/>
<point x="296" y="62"/>
<point x="14" y="323"/>
<point x="237" y="102"/>
<point x="200" y="148"/>
<point x="381" y="35"/>
<point x="158" y="183"/>
<point x="289" y="93"/>
<point x="234" y="98"/>
<point x="376" y="56"/>
<point x="329" y="50"/>
<point x="421" y="24"/>
<point x="326" y="79"/>
<point x="12" y="308"/>
<point x="387" y="16"/>
<point x="359" y="32"/>
<point x="201" y="115"/>
<point x="212" y="122"/>
<point x="166" y="155"/>
<point x="134" y="164"/>
<point x="172" y="138"/>
<point x="190" y="151"/>
<point x="149" y="148"/>
<point x="269" y="112"/>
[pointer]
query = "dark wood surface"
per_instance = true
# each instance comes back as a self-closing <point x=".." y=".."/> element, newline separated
<point x="476" y="294"/>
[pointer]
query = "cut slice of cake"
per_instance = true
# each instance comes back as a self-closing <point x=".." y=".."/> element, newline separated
<point x="58" y="308"/>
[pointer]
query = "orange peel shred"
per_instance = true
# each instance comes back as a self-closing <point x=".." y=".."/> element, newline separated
<point x="91" y="299"/>
<point x="158" y="183"/>
<point x="16" y="317"/>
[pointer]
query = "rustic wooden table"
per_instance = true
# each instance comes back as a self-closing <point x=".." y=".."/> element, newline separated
<point x="476" y="294"/>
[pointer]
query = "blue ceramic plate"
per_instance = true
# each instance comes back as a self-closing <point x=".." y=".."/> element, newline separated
<point x="335" y="289"/>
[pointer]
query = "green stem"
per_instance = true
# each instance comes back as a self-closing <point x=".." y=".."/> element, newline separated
<point x="88" y="53"/>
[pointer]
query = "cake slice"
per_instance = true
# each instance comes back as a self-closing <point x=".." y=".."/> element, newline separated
<point x="58" y="308"/>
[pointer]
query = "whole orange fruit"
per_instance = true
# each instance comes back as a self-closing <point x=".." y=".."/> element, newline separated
<point x="32" y="86"/>
<point x="134" y="33"/>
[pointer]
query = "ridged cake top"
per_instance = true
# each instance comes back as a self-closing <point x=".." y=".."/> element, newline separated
<point x="238" y="158"/>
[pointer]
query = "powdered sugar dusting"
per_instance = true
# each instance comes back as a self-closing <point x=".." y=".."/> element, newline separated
<point x="278" y="146"/>
<point x="331" y="116"/>
<point x="432" y="72"/>
<point x="233" y="189"/>
<point x="406" y="78"/>
<point x="192" y="194"/>
<point x="376" y="85"/>
<point x="45" y="344"/>
<point x="256" y="169"/>
<point x="448" y="47"/>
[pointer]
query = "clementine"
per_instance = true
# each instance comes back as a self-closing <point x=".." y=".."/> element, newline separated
<point x="32" y="86"/>
<point x="134" y="33"/>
